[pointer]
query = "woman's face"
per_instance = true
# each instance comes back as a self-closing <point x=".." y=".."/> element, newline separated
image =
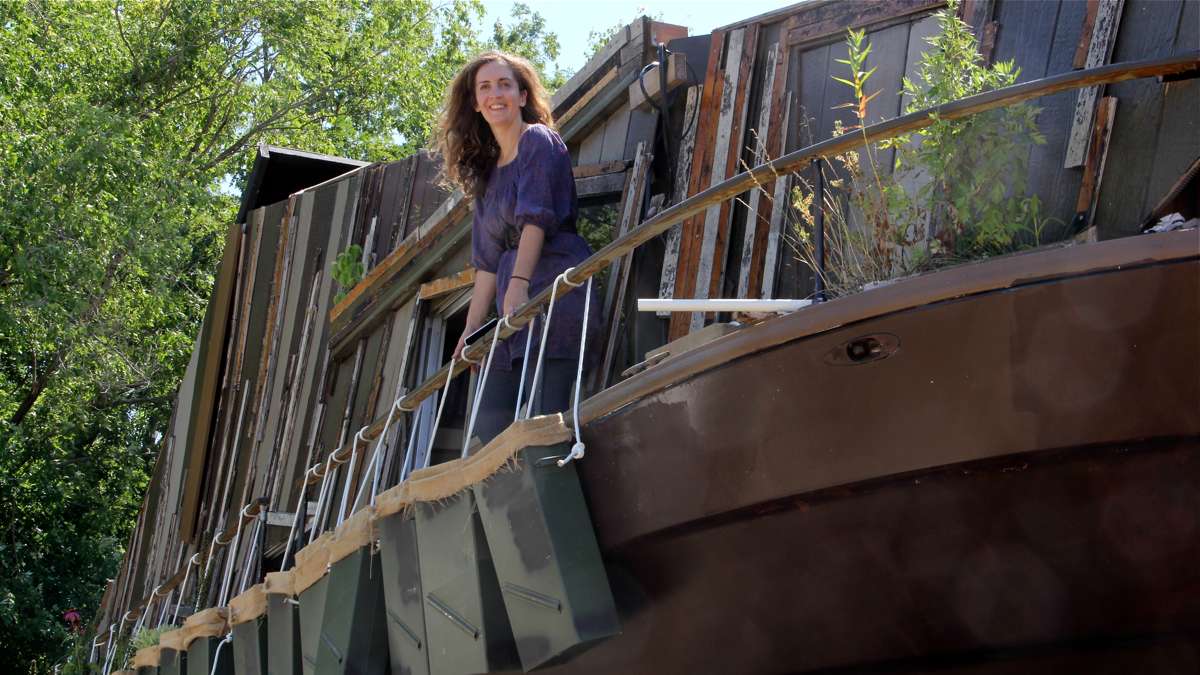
<point x="497" y="95"/>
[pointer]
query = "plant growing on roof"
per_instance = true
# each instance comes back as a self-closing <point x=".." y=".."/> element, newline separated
<point x="348" y="270"/>
<point x="970" y="172"/>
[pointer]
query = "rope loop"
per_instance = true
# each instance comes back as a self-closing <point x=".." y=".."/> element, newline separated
<point x="567" y="280"/>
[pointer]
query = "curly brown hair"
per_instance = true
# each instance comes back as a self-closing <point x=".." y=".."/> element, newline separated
<point x="463" y="138"/>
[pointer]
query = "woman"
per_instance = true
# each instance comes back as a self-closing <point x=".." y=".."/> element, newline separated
<point x="498" y="145"/>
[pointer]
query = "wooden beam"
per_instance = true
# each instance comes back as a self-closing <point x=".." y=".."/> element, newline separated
<point x="590" y="170"/>
<point x="683" y="170"/>
<point x="1104" y="37"/>
<point x="758" y="211"/>
<point x="440" y="287"/>
<point x="797" y="159"/>
<point x="1085" y="35"/>
<point x="831" y="21"/>
<point x="677" y="76"/>
<point x="604" y="184"/>
<point x="587" y="97"/>
<point x="618" y="277"/>
<point x="692" y="229"/>
<point x="1093" y="172"/>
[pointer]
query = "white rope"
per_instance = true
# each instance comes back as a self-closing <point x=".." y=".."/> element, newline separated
<point x="300" y="514"/>
<point x="537" y="372"/>
<point x="483" y="378"/>
<point x="350" y="474"/>
<point x="441" y="407"/>
<point x="108" y="647"/>
<point x="112" y="653"/>
<point x="253" y="549"/>
<point x="162" y="614"/>
<point x="95" y="646"/>
<point x="524" y="364"/>
<point x="217" y="653"/>
<point x="312" y="534"/>
<point x="223" y="598"/>
<point x="375" y="467"/>
<point x="405" y="468"/>
<point x="578" y="449"/>
<point x="194" y="560"/>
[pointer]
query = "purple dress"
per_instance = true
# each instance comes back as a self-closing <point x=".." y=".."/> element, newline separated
<point x="536" y="188"/>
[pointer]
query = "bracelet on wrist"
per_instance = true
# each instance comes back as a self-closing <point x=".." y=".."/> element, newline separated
<point x="525" y="279"/>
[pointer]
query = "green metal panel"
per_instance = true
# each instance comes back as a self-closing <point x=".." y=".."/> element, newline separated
<point x="402" y="592"/>
<point x="465" y="621"/>
<point x="171" y="662"/>
<point x="283" y="633"/>
<point x="354" y="630"/>
<point x="546" y="557"/>
<point x="312" y="612"/>
<point x="201" y="656"/>
<point x="250" y="647"/>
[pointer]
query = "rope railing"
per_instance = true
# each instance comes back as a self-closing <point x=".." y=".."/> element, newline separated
<point x="728" y="189"/>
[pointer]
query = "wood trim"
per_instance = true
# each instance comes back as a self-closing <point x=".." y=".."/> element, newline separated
<point x="454" y="282"/>
<point x="677" y="76"/>
<point x="376" y="280"/>
<point x="683" y="170"/>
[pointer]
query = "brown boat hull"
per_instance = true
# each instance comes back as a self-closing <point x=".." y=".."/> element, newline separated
<point x="1013" y="479"/>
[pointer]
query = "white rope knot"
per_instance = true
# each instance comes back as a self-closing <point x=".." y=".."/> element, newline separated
<point x="463" y="356"/>
<point x="577" y="452"/>
<point x="567" y="280"/>
<point x="504" y="322"/>
<point x="399" y="406"/>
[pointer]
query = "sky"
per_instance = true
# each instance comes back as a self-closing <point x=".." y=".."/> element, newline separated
<point x="572" y="20"/>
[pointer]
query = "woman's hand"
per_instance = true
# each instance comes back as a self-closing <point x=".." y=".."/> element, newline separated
<point x="516" y="295"/>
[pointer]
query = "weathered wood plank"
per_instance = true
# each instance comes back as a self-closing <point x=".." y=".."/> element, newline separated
<point x="1149" y="30"/>
<point x="683" y="170"/>
<point x="692" y="229"/>
<point x="604" y="184"/>
<point x="727" y="111"/>
<point x="1104" y="37"/>
<point x="599" y="168"/>
<point x="1085" y="35"/>
<point x="1085" y="206"/>
<point x="773" y="207"/>
<point x="734" y="163"/>
<point x="618" y="277"/>
<point x="589" y="147"/>
<point x="830" y="21"/>
<point x="454" y="282"/>
<point x="615" y="131"/>
<point x="587" y="98"/>
<point x="677" y="76"/>
<point x="756" y="220"/>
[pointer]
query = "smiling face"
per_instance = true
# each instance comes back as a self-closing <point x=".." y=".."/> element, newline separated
<point x="498" y="95"/>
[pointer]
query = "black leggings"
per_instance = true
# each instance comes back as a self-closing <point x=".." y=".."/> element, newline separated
<point x="500" y="397"/>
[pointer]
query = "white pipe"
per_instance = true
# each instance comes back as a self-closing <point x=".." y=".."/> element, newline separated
<point x="719" y="305"/>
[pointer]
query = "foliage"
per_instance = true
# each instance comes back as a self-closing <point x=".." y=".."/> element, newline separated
<point x="122" y="124"/>
<point x="348" y="269"/>
<point x="527" y="36"/>
<point x="968" y="172"/>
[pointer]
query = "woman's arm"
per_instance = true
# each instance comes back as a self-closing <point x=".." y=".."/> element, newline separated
<point x="529" y="250"/>
<point x="482" y="294"/>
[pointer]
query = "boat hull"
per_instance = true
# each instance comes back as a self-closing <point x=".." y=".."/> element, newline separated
<point x="1011" y="476"/>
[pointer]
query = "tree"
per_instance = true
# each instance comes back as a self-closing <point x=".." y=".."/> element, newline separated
<point x="119" y="123"/>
